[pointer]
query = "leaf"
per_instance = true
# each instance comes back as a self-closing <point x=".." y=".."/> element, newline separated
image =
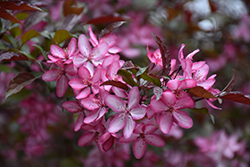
<point x="18" y="6"/>
<point x="107" y="19"/>
<point x="69" y="9"/>
<point x="69" y="22"/>
<point x="237" y="97"/>
<point x="200" y="92"/>
<point x="11" y="56"/>
<point x="8" y="16"/>
<point x="19" y="82"/>
<point x="141" y="70"/>
<point x="5" y="68"/>
<point x="204" y="110"/>
<point x="109" y="114"/>
<point x="22" y="16"/>
<point x="42" y="51"/>
<point x="28" y="35"/>
<point x="157" y="92"/>
<point x="116" y="84"/>
<point x="128" y="65"/>
<point x="111" y="27"/>
<point x="166" y="61"/>
<point x="33" y="19"/>
<point x="229" y="86"/>
<point x="153" y="80"/>
<point x="15" y="31"/>
<point x="60" y="36"/>
<point x="127" y="77"/>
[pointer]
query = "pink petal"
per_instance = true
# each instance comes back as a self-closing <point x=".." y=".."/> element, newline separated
<point x="150" y="112"/>
<point x="138" y="113"/>
<point x="102" y="111"/>
<point x="92" y="38"/>
<point x="133" y="137"/>
<point x="72" y="47"/>
<point x="115" y="103"/>
<point x="57" y="51"/>
<point x="51" y="75"/>
<point x="191" y="55"/>
<point x="110" y="39"/>
<point x="133" y="97"/>
<point x="104" y="137"/>
<point x="184" y="102"/>
<point x="149" y="128"/>
<point x="61" y="86"/>
<point x="71" y="69"/>
<point x="79" y="60"/>
<point x="117" y="123"/>
<point x="77" y="84"/>
<point x="129" y="127"/>
<point x="182" y="119"/>
<point x="90" y="103"/>
<point x="166" y="122"/>
<point x="173" y="84"/>
<point x="91" y="117"/>
<point x="52" y="59"/>
<point x="79" y="122"/>
<point x="84" y="93"/>
<point x="157" y="105"/>
<point x="139" y="148"/>
<point x="139" y="128"/>
<point x="187" y="83"/>
<point x="99" y="51"/>
<point x="84" y="46"/>
<point x="87" y="138"/>
<point x="72" y="106"/>
<point x="180" y="54"/>
<point x="168" y="97"/>
<point x="84" y="73"/>
<point x="114" y="50"/>
<point x="154" y="140"/>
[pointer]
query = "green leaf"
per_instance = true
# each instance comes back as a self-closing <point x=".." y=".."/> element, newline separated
<point x="28" y="35"/>
<point x="19" y="82"/>
<point x="10" y="39"/>
<point x="204" y="110"/>
<point x="22" y="16"/>
<point x="2" y="46"/>
<point x="60" y="36"/>
<point x="42" y="51"/>
<point x="127" y="77"/>
<point x="141" y="70"/>
<point x="15" y="31"/>
<point x="109" y="114"/>
<point x="153" y="80"/>
<point x="5" y="68"/>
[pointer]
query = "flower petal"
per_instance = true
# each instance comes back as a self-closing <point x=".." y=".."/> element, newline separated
<point x="77" y="84"/>
<point x="72" y="106"/>
<point x="133" y="97"/>
<point x="86" y="138"/>
<point x="139" y="148"/>
<point x="51" y="75"/>
<point x="165" y="122"/>
<point x="154" y="140"/>
<point x="84" y="73"/>
<point x="138" y="113"/>
<point x="99" y="51"/>
<point x="79" y="122"/>
<point x="79" y="60"/>
<point x="115" y="103"/>
<point x="84" y="93"/>
<point x="91" y="117"/>
<point x="117" y="123"/>
<point x="61" y="86"/>
<point x="129" y="127"/>
<point x="83" y="45"/>
<point x="90" y="103"/>
<point x="182" y="119"/>
<point x="149" y="128"/>
<point x="71" y="69"/>
<point x="157" y="105"/>
<point x="72" y="47"/>
<point x="168" y="97"/>
<point x="57" y="51"/>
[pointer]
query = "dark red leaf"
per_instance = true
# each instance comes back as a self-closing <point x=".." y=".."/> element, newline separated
<point x="116" y="84"/>
<point x="69" y="9"/>
<point x="111" y="27"/>
<point x="106" y="19"/>
<point x="229" y="86"/>
<point x="237" y="97"/>
<point x="199" y="91"/>
<point x="128" y="65"/>
<point x="33" y="19"/>
<point x="10" y="56"/>
<point x="8" y="16"/>
<point x="164" y="54"/>
<point x="19" y="82"/>
<point x="18" y="6"/>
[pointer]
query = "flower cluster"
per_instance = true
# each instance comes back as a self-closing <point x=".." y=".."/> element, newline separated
<point x="117" y="101"/>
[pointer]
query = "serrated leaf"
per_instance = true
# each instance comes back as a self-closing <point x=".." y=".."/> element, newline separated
<point x="237" y="97"/>
<point x="166" y="61"/>
<point x="106" y="19"/>
<point x="127" y="77"/>
<point x="199" y="91"/>
<point x="204" y="110"/>
<point x="28" y="35"/>
<point x="19" y="82"/>
<point x="69" y="9"/>
<point x="33" y="19"/>
<point x="18" y="6"/>
<point x="111" y="27"/>
<point x="8" y="16"/>
<point x="10" y="56"/>
<point x="116" y="84"/>
<point x="60" y="36"/>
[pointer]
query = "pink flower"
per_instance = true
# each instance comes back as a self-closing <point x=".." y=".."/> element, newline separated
<point x="169" y="111"/>
<point x="58" y="54"/>
<point x="88" y="80"/>
<point x="126" y="113"/>
<point x="142" y="135"/>
<point x="62" y="76"/>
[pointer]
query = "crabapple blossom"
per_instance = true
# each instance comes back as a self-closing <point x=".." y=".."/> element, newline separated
<point x="126" y="113"/>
